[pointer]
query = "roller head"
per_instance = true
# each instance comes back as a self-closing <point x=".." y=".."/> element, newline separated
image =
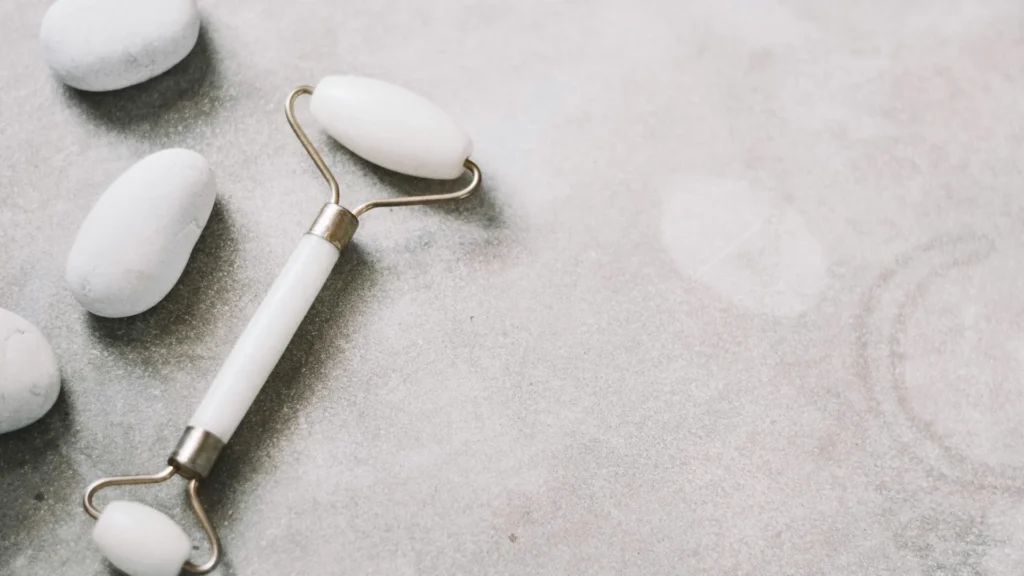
<point x="140" y="540"/>
<point x="391" y="126"/>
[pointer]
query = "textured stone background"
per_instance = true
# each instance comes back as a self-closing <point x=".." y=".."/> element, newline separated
<point x="742" y="294"/>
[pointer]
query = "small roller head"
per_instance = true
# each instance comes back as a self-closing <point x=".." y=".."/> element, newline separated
<point x="140" y="540"/>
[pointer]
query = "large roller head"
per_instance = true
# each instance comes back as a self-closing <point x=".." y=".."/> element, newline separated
<point x="140" y="540"/>
<point x="391" y="127"/>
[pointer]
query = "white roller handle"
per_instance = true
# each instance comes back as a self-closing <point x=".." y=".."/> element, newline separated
<point x="265" y="338"/>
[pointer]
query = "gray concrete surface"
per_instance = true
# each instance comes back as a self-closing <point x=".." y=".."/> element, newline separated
<point x="742" y="294"/>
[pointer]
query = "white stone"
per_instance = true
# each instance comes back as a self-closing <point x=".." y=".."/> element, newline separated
<point x="391" y="126"/>
<point x="140" y="540"/>
<point x="29" y="376"/>
<point x="100" y="45"/>
<point x="134" y="244"/>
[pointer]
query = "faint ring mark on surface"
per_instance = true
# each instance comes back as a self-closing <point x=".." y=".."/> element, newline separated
<point x="892" y="303"/>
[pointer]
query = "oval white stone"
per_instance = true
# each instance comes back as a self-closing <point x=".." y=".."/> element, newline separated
<point x="391" y="126"/>
<point x="29" y="376"/>
<point x="134" y="244"/>
<point x="100" y="45"/>
<point x="140" y="540"/>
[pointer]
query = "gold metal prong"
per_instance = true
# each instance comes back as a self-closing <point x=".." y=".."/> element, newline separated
<point x="289" y="112"/>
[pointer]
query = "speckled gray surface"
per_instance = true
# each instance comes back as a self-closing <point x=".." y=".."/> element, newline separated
<point x="742" y="294"/>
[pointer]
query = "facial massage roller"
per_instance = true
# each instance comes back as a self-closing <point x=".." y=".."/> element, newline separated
<point x="382" y="123"/>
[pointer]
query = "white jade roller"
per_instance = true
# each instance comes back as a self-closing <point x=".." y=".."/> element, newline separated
<point x="380" y="122"/>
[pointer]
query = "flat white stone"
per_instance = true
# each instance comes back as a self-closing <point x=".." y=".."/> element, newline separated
<point x="391" y="126"/>
<point x="140" y="540"/>
<point x="745" y="244"/>
<point x="29" y="376"/>
<point x="134" y="244"/>
<point x="100" y="45"/>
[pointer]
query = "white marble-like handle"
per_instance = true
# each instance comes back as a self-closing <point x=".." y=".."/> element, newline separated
<point x="266" y="337"/>
<point x="391" y="126"/>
